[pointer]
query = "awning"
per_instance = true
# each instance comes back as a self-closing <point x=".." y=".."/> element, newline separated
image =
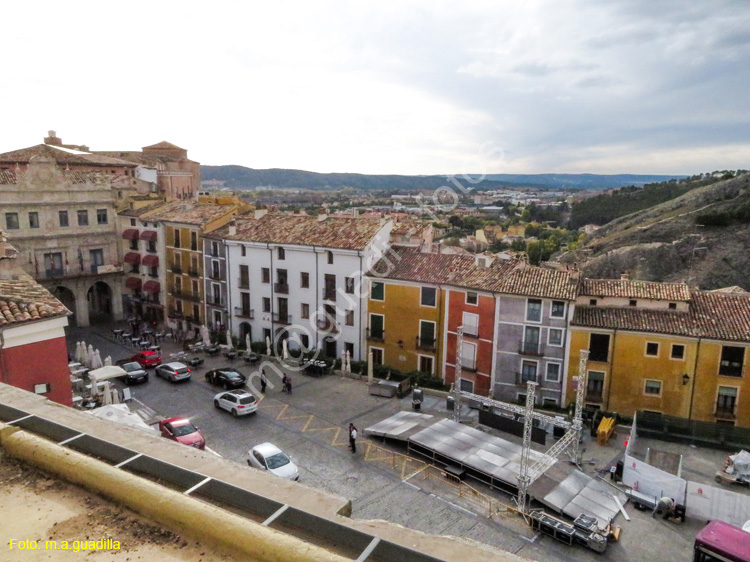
<point x="149" y="235"/>
<point x="151" y="261"/>
<point x="151" y="287"/>
<point x="133" y="283"/>
<point x="130" y="234"/>
<point x="132" y="258"/>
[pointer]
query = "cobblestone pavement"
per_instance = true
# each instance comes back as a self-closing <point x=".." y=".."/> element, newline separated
<point x="310" y="424"/>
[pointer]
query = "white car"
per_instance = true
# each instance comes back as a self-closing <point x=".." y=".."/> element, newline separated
<point x="267" y="456"/>
<point x="237" y="402"/>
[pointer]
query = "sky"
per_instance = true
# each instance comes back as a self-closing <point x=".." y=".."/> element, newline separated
<point x="388" y="87"/>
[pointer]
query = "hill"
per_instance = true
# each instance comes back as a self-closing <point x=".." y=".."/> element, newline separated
<point x="240" y="177"/>
<point x="701" y="237"/>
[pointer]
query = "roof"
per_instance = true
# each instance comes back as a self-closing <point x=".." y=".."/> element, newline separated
<point x="164" y="144"/>
<point x="626" y="288"/>
<point x="409" y="228"/>
<point x="22" y="300"/>
<point x="295" y="230"/>
<point x="712" y="315"/>
<point x="197" y="214"/>
<point x="135" y="156"/>
<point x="502" y="276"/>
<point x="62" y="156"/>
<point x="142" y="210"/>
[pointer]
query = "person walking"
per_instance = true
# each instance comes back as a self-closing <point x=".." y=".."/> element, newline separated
<point x="263" y="381"/>
<point x="353" y="438"/>
<point x="284" y="382"/>
<point x="289" y="385"/>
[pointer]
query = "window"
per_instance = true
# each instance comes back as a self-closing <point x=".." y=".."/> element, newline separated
<point x="377" y="355"/>
<point x="377" y="322"/>
<point x="471" y="324"/>
<point x="599" y="347"/>
<point x="428" y="296"/>
<point x="731" y="361"/>
<point x="558" y="309"/>
<point x="63" y="216"/>
<point x="652" y="349"/>
<point x="469" y="356"/>
<point x="349" y="285"/>
<point x="304" y="280"/>
<point x="244" y="277"/>
<point x="377" y="292"/>
<point x="176" y="238"/>
<point x="672" y="306"/>
<point x="726" y="400"/>
<point x="151" y="246"/>
<point x="304" y="340"/>
<point x="134" y="245"/>
<point x="11" y="221"/>
<point x="555" y="337"/>
<point x="266" y="304"/>
<point x="33" y="219"/>
<point x="531" y="340"/>
<point x="471" y="298"/>
<point x="83" y="218"/>
<point x="349" y="316"/>
<point x="196" y="313"/>
<point x="132" y="222"/>
<point x="632" y="302"/>
<point x="534" y="310"/>
<point x="53" y="264"/>
<point x="97" y="258"/>
<point x="101" y="216"/>
<point x="652" y="388"/>
<point x="528" y="371"/>
<point x="305" y="310"/>
<point x="194" y="241"/>
<point x="215" y="270"/>
<point x="265" y="275"/>
<point x="349" y="347"/>
<point x="553" y="372"/>
<point x="215" y="249"/>
<point x="592" y="302"/>
<point x="595" y="385"/>
<point x="678" y="351"/>
<point x="426" y="364"/>
<point x="549" y="402"/>
<point x="330" y="257"/>
<point x="245" y="304"/>
<point x="280" y="253"/>
<point x="426" y="335"/>
<point x="243" y="251"/>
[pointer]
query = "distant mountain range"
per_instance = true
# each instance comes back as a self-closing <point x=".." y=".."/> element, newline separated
<point x="240" y="177"/>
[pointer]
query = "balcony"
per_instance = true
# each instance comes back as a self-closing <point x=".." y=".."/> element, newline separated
<point x="248" y="313"/>
<point x="280" y="318"/>
<point x="725" y="412"/>
<point x="216" y="275"/>
<point x="326" y="325"/>
<point x="282" y="288"/>
<point x="184" y="295"/>
<point x="176" y="269"/>
<point x="153" y="275"/>
<point x="329" y="294"/>
<point x="375" y="335"/>
<point x="174" y="313"/>
<point x="243" y="283"/>
<point x="193" y="272"/>
<point x="216" y="301"/>
<point x="428" y="344"/>
<point x="593" y="395"/>
<point x="530" y="348"/>
<point x="523" y="378"/>
<point x="471" y="331"/>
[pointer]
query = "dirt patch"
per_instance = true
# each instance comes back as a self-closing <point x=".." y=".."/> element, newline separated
<point x="37" y="508"/>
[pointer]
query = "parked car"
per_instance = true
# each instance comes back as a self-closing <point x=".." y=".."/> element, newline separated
<point x="182" y="431"/>
<point x="251" y="357"/>
<point x="135" y="373"/>
<point x="237" y="402"/>
<point x="267" y="456"/>
<point x="173" y="372"/>
<point x="147" y="359"/>
<point x="227" y="377"/>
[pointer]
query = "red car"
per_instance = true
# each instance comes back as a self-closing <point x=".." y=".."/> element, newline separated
<point x="147" y="359"/>
<point x="182" y="431"/>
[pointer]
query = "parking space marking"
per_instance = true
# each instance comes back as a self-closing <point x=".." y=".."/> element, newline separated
<point x="308" y="426"/>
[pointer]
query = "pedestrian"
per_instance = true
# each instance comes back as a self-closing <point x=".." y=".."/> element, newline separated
<point x="664" y="507"/>
<point x="289" y="385"/>
<point x="263" y="381"/>
<point x="352" y="438"/>
<point x="284" y="382"/>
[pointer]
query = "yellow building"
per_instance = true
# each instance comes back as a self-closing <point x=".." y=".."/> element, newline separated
<point x="184" y="226"/>
<point x="660" y="347"/>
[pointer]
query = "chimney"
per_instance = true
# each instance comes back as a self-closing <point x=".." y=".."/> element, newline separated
<point x="259" y="213"/>
<point x="322" y="216"/>
<point x="440" y="248"/>
<point x="52" y="139"/>
<point x="233" y="227"/>
<point x="624" y="277"/>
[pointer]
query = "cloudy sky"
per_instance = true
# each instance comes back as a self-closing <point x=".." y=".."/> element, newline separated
<point x="493" y="86"/>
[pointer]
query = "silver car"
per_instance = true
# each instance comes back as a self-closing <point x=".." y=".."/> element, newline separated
<point x="173" y="371"/>
<point x="267" y="456"/>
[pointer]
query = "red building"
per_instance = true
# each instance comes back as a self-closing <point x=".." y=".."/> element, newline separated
<point x="33" y="352"/>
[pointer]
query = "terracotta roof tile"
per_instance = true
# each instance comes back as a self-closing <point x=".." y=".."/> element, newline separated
<point x="22" y="299"/>
<point x="295" y="230"/>
<point x="62" y="156"/>
<point x="190" y="213"/>
<point x="712" y="315"/>
<point x="626" y="288"/>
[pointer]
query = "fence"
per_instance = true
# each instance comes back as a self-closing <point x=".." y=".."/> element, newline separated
<point x="409" y="467"/>
<point x="670" y="428"/>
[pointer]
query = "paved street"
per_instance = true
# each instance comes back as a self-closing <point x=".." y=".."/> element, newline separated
<point x="310" y="425"/>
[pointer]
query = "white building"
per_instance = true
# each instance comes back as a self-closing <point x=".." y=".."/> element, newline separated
<point x="300" y="278"/>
